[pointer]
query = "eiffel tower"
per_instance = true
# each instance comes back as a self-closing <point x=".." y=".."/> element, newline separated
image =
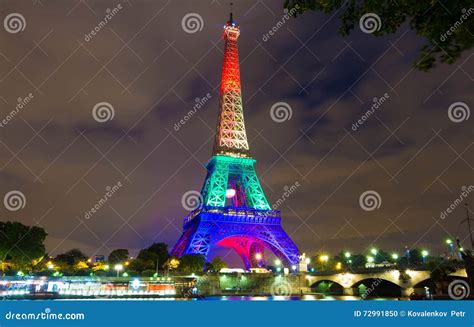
<point x="234" y="212"/>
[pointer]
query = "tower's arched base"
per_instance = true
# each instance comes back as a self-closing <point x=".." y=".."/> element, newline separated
<point x="247" y="231"/>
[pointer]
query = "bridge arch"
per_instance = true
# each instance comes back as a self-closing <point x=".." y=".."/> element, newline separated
<point x="369" y="287"/>
<point x="430" y="283"/>
<point x="327" y="286"/>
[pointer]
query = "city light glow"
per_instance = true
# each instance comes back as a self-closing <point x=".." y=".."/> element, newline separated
<point x="230" y="193"/>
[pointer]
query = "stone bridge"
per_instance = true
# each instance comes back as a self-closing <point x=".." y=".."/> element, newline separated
<point x="350" y="283"/>
<point x="380" y="282"/>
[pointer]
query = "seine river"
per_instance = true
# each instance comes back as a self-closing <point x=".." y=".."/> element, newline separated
<point x="240" y="298"/>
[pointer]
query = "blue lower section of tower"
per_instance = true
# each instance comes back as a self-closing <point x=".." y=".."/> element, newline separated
<point x="247" y="231"/>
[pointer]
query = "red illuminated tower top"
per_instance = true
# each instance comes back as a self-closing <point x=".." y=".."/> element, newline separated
<point x="231" y="138"/>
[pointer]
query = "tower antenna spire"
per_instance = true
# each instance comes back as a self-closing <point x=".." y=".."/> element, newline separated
<point x="231" y="17"/>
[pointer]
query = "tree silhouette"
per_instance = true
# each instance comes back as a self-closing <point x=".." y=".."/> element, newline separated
<point x="20" y="244"/>
<point x="446" y="25"/>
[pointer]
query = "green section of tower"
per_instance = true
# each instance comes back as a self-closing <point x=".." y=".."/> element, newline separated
<point x="221" y="170"/>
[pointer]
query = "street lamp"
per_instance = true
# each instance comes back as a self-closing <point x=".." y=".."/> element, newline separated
<point x="348" y="259"/>
<point x="373" y="251"/>
<point x="277" y="262"/>
<point x="424" y="254"/>
<point x="370" y="259"/>
<point x="118" y="268"/>
<point x="324" y="259"/>
<point x="395" y="256"/>
<point x="407" y="254"/>
<point x="451" y="246"/>
<point x="258" y="258"/>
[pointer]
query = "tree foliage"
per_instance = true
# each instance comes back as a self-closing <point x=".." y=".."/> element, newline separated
<point x="72" y="262"/>
<point x="20" y="244"/>
<point x="118" y="256"/>
<point x="445" y="25"/>
<point x="216" y="264"/>
<point x="147" y="258"/>
<point x="191" y="263"/>
<point x="70" y="257"/>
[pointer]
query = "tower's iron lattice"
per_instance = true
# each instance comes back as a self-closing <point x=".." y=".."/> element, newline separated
<point x="235" y="212"/>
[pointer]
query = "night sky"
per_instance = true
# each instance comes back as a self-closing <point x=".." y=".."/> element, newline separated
<point x="152" y="71"/>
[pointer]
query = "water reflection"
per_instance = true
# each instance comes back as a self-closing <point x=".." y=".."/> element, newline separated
<point x="312" y="297"/>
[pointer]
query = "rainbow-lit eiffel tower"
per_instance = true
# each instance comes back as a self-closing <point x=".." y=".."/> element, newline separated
<point x="235" y="212"/>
